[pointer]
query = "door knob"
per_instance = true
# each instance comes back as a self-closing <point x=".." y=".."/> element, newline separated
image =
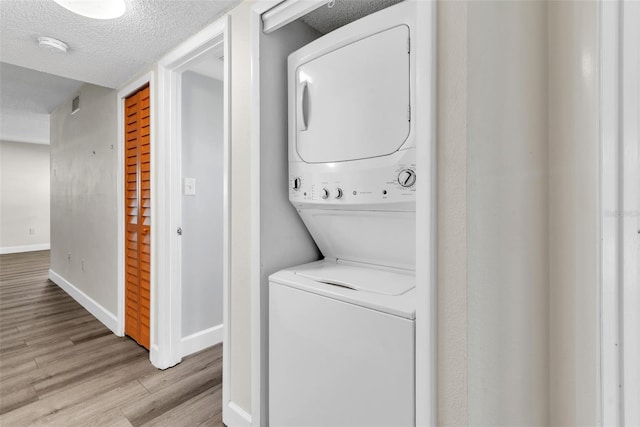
<point x="145" y="230"/>
<point x="179" y="231"/>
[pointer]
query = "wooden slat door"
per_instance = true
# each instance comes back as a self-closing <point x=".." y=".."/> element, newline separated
<point x="138" y="217"/>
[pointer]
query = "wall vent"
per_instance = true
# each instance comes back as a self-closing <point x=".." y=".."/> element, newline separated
<point x="75" y="105"/>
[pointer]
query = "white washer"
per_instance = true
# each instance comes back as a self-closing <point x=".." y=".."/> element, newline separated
<point x="340" y="356"/>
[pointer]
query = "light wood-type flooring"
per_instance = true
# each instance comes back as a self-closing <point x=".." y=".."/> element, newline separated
<point x="59" y="366"/>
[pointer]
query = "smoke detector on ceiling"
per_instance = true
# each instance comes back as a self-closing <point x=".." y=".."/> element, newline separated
<point x="55" y="45"/>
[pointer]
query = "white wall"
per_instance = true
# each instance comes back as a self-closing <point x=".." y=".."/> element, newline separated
<point x="452" y="232"/>
<point x="507" y="214"/>
<point x="495" y="310"/>
<point x="24" y="197"/>
<point x="202" y="146"/>
<point x="83" y="195"/>
<point x="573" y="212"/>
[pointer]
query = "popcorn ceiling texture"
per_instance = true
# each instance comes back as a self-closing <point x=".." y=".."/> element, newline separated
<point x="102" y="52"/>
<point x="325" y="19"/>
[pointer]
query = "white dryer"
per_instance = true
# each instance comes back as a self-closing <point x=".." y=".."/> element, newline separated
<point x="342" y="330"/>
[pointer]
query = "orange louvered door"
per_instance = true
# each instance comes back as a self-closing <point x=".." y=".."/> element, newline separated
<point x="138" y="217"/>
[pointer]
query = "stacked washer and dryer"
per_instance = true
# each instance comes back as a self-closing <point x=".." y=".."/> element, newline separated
<point x="342" y="330"/>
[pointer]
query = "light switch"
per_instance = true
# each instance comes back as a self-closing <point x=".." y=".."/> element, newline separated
<point x="189" y="186"/>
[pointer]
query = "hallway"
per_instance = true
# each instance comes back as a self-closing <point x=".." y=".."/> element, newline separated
<point x="59" y="366"/>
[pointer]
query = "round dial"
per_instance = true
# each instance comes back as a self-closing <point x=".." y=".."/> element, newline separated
<point x="338" y="193"/>
<point x="297" y="183"/>
<point x="325" y="193"/>
<point x="407" y="177"/>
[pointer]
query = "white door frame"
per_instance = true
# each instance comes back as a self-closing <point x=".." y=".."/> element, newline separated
<point x="169" y="283"/>
<point x="426" y="286"/>
<point x="620" y="216"/>
<point x="165" y="199"/>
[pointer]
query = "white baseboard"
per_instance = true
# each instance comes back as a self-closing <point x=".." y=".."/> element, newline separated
<point x="201" y="340"/>
<point x="99" y="312"/>
<point x="235" y="416"/>
<point x="26" y="248"/>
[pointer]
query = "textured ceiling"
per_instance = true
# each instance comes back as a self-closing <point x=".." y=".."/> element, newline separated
<point x="29" y="91"/>
<point x="102" y="52"/>
<point x="326" y="19"/>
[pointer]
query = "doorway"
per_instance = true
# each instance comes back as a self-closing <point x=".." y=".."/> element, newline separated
<point x="200" y="216"/>
<point x="194" y="102"/>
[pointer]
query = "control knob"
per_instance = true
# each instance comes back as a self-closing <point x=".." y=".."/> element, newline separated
<point x="325" y="193"/>
<point x="297" y="183"/>
<point x="338" y="193"/>
<point x="407" y="177"/>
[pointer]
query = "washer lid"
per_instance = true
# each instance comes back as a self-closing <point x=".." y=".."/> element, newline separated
<point x="365" y="279"/>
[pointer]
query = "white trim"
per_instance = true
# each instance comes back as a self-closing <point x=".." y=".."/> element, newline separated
<point x="169" y="69"/>
<point x="235" y="416"/>
<point x="610" y="392"/>
<point x="201" y="340"/>
<point x="259" y="391"/>
<point x="630" y="211"/>
<point x="98" y="311"/>
<point x="123" y="93"/>
<point x="286" y="12"/>
<point x="25" y="248"/>
<point x="226" y="216"/>
<point x="154" y="353"/>
<point x="426" y="224"/>
<point x="620" y="212"/>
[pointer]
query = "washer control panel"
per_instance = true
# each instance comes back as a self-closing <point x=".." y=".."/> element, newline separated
<point x="373" y="186"/>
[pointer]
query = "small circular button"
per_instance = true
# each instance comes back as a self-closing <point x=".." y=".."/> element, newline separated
<point x="338" y="193"/>
<point x="297" y="183"/>
<point x="407" y="177"/>
<point x="325" y="193"/>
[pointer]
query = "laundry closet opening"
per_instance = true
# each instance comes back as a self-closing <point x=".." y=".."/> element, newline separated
<point x="341" y="175"/>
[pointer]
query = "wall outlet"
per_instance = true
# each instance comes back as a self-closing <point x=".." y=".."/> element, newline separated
<point x="32" y="230"/>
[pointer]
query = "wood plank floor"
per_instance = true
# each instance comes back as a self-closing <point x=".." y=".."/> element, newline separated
<point x="59" y="366"/>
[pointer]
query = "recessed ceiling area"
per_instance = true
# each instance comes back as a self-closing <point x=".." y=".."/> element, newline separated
<point x="25" y="90"/>
<point x="102" y="52"/>
<point x="211" y="64"/>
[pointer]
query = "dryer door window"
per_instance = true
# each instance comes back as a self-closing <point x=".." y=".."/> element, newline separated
<point x="354" y="102"/>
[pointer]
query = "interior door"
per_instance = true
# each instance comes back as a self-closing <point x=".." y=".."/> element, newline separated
<point x="138" y="217"/>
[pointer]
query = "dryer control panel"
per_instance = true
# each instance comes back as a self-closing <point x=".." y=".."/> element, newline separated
<point x="345" y="185"/>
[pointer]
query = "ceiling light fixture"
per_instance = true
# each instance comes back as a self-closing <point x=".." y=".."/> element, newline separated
<point x="55" y="45"/>
<point x="96" y="9"/>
